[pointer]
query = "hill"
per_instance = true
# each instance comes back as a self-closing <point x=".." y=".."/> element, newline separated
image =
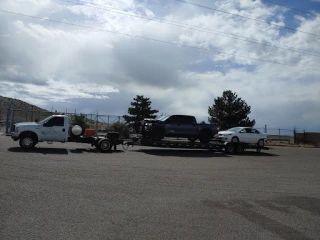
<point x="23" y="111"/>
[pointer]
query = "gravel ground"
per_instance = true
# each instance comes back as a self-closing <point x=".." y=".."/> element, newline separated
<point x="71" y="191"/>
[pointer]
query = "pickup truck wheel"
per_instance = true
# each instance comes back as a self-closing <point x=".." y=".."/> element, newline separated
<point x="158" y="134"/>
<point x="205" y="136"/>
<point x="104" y="145"/>
<point x="27" y="142"/>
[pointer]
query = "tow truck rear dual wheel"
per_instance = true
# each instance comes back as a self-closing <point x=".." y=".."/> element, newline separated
<point x="27" y="142"/>
<point x="105" y="145"/>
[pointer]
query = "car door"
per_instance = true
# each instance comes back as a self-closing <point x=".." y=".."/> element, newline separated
<point x="243" y="135"/>
<point x="172" y="125"/>
<point x="54" y="129"/>
<point x="252" y="136"/>
<point x="188" y="126"/>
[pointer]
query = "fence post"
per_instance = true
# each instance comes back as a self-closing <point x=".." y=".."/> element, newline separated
<point x="32" y="114"/>
<point x="7" y="118"/>
<point x="294" y="136"/>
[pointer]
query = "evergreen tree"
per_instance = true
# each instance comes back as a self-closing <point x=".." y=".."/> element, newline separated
<point x="230" y="111"/>
<point x="141" y="109"/>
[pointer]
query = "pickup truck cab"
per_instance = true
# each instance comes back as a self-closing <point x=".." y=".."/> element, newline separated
<point x="184" y="126"/>
<point x="52" y="129"/>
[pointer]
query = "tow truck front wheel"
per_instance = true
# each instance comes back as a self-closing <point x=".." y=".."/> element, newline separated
<point x="27" y="142"/>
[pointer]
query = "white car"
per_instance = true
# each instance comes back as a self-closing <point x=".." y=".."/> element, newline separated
<point x="243" y="135"/>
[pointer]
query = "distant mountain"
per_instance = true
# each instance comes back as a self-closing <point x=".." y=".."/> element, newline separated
<point x="23" y="111"/>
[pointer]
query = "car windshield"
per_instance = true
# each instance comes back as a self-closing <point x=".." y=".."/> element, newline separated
<point x="163" y="118"/>
<point x="235" y="129"/>
<point x="46" y="119"/>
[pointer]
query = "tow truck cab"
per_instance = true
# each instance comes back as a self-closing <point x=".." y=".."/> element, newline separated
<point x="52" y="129"/>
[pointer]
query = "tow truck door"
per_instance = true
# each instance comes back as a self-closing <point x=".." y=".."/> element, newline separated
<point x="55" y="129"/>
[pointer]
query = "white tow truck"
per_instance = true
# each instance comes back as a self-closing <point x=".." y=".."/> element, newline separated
<point x="56" y="129"/>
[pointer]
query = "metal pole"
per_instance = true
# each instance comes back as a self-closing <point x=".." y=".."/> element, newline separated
<point x="279" y="135"/>
<point x="97" y="123"/>
<point x="265" y="128"/>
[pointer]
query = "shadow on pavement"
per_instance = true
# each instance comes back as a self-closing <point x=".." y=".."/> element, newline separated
<point x="182" y="153"/>
<point x="256" y="154"/>
<point x="60" y="150"/>
<point x="40" y="150"/>
<point x="201" y="153"/>
<point x="93" y="150"/>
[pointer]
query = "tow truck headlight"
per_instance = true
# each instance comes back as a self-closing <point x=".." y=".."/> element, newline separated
<point x="16" y="129"/>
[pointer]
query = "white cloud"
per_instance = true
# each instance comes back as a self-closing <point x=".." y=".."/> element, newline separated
<point x="72" y="67"/>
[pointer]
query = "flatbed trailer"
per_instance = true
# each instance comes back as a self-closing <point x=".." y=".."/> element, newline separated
<point x="213" y="145"/>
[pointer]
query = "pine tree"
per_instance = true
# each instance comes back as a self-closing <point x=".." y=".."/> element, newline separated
<point x="141" y="109"/>
<point x="230" y="111"/>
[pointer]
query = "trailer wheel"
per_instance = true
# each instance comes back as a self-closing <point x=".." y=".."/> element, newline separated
<point x="205" y="136"/>
<point x="104" y="145"/>
<point x="230" y="148"/>
<point x="240" y="148"/>
<point x="27" y="142"/>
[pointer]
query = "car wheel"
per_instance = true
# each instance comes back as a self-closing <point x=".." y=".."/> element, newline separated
<point x="27" y="142"/>
<point x="105" y="145"/>
<point x="260" y="143"/>
<point x="235" y="140"/>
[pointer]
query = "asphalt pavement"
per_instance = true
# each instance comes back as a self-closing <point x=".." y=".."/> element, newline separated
<point x="71" y="191"/>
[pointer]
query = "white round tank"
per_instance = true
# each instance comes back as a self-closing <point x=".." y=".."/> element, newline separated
<point x="76" y="130"/>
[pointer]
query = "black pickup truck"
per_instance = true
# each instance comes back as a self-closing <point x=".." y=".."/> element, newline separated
<point x="184" y="126"/>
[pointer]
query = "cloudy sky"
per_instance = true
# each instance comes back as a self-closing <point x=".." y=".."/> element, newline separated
<point x="99" y="54"/>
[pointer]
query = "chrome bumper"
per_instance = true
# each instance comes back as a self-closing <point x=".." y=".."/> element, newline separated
<point x="15" y="136"/>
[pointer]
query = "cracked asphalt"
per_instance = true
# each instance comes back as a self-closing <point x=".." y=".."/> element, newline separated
<point x="71" y="191"/>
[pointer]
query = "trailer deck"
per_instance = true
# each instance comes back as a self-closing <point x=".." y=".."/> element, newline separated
<point x="213" y="145"/>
